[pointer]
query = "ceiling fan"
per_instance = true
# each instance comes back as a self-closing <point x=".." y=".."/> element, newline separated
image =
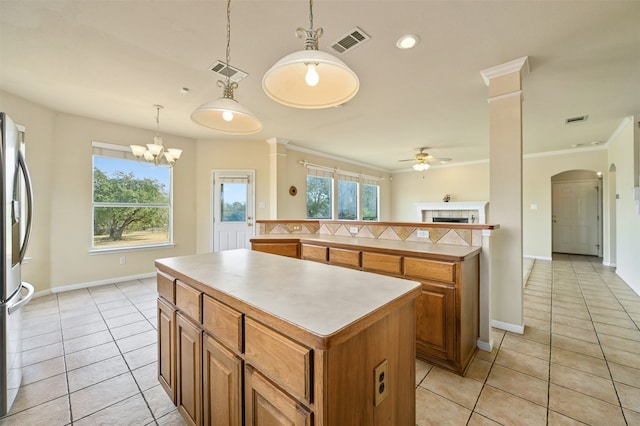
<point x="424" y="160"/>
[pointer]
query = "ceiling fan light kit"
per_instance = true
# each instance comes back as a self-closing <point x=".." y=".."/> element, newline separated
<point x="423" y="160"/>
<point x="310" y="78"/>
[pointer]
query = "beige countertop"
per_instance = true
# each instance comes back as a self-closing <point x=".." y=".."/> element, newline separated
<point x="321" y="299"/>
<point x="448" y="251"/>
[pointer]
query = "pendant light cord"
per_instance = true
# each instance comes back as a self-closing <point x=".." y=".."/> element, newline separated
<point x="228" y="38"/>
<point x="311" y="14"/>
<point x="157" y="121"/>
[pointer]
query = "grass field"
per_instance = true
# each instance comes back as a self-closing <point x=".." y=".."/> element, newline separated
<point x="132" y="239"/>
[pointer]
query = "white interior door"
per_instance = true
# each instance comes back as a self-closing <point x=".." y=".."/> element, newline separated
<point x="576" y="217"/>
<point x="233" y="209"/>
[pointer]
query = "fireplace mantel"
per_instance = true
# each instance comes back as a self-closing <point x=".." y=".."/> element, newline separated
<point x="479" y="206"/>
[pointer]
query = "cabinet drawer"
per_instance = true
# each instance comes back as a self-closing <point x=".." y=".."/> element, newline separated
<point x="283" y="249"/>
<point x="344" y="257"/>
<point x="222" y="322"/>
<point x="189" y="301"/>
<point x="430" y="269"/>
<point x="317" y="253"/>
<point x="166" y="287"/>
<point x="382" y="262"/>
<point x="280" y="358"/>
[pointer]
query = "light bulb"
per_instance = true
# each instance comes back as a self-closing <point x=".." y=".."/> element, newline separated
<point x="227" y="115"/>
<point x="312" y="78"/>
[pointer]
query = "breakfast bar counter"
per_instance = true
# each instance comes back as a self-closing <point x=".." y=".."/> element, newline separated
<point x="268" y="339"/>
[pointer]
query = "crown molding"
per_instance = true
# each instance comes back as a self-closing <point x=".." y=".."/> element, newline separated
<point x="521" y="64"/>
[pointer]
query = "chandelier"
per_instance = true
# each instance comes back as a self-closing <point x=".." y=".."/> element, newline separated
<point x="155" y="153"/>
<point x="310" y="78"/>
<point x="225" y="114"/>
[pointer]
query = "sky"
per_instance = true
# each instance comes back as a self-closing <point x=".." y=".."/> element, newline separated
<point x="142" y="170"/>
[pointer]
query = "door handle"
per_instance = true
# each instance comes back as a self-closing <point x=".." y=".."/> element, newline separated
<point x="29" y="191"/>
<point x="23" y="301"/>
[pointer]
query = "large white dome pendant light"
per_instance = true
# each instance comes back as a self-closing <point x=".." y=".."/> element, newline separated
<point x="309" y="78"/>
<point x="225" y="114"/>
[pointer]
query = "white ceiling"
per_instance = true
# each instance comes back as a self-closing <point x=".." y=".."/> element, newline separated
<point x="112" y="60"/>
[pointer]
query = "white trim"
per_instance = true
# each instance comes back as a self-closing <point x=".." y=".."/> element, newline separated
<point x="335" y="157"/>
<point x="505" y="96"/>
<point x="624" y="123"/>
<point x="480" y="206"/>
<point x="507" y="326"/>
<point x="571" y="151"/>
<point x="42" y="293"/>
<point x="612" y="264"/>
<point x="485" y="346"/>
<point x="275" y="140"/>
<point x="120" y="249"/>
<point x="101" y="282"/>
<point x="111" y="146"/>
<point x="520" y="64"/>
<point x="531" y="256"/>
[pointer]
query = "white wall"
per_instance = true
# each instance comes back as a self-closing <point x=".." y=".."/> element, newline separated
<point x="623" y="151"/>
<point x="466" y="182"/>
<point x="470" y="182"/>
<point x="59" y="154"/>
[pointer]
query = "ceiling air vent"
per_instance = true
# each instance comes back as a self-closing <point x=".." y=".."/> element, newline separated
<point x="221" y="69"/>
<point x="578" y="119"/>
<point x="350" y="41"/>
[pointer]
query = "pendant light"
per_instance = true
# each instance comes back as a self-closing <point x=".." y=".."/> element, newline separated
<point x="225" y="114"/>
<point x="309" y="78"/>
<point x="155" y="153"/>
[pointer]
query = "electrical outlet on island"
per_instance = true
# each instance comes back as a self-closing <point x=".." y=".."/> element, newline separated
<point x="353" y="229"/>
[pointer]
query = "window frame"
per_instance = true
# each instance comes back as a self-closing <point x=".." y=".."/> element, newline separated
<point x="109" y="150"/>
<point x="336" y="175"/>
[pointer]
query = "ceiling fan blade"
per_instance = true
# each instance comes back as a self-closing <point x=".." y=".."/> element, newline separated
<point x="408" y="159"/>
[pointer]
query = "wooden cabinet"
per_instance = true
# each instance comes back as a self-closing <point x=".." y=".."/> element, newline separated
<point x="435" y="322"/>
<point x="235" y="364"/>
<point x="447" y="309"/>
<point x="189" y="370"/>
<point x="222" y="384"/>
<point x="313" y="252"/>
<point x="265" y="404"/>
<point x="167" y="348"/>
<point x="289" y="249"/>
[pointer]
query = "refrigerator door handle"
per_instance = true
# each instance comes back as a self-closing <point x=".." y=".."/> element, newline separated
<point x="23" y="301"/>
<point x="29" y="192"/>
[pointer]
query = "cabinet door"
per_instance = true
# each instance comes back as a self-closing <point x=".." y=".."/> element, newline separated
<point x="435" y="322"/>
<point x="189" y="370"/>
<point x="265" y="404"/>
<point x="222" y="386"/>
<point x="167" y="348"/>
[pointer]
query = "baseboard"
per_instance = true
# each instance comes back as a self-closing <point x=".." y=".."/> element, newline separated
<point x="530" y="256"/>
<point x="42" y="293"/>
<point x="101" y="282"/>
<point x="485" y="346"/>
<point x="514" y="328"/>
<point x="613" y="265"/>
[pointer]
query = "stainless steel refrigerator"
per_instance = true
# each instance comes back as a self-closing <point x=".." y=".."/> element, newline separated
<point x="17" y="207"/>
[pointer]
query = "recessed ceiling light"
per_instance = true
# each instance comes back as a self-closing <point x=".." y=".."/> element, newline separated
<point x="407" y="41"/>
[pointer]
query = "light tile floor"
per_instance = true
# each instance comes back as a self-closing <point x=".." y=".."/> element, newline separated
<point x="90" y="358"/>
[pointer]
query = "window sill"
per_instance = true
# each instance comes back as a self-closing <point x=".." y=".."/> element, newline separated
<point x="110" y="250"/>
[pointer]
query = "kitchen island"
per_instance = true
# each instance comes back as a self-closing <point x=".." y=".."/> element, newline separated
<point x="447" y="309"/>
<point x="250" y="338"/>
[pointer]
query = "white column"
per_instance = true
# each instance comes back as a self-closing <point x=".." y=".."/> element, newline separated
<point x="505" y="192"/>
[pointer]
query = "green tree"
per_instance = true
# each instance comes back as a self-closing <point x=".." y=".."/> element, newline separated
<point x="319" y="197"/>
<point x="125" y="188"/>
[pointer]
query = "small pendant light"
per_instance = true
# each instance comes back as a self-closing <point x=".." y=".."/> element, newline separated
<point x="225" y="114"/>
<point x="309" y="78"/>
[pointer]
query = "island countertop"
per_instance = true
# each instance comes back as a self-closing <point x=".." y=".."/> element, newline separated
<point x="326" y="304"/>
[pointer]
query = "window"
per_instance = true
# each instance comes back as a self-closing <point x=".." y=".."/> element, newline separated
<point x="370" y="197"/>
<point x="233" y="199"/>
<point x="347" y="197"/>
<point x="131" y="200"/>
<point x="357" y="195"/>
<point x="319" y="195"/>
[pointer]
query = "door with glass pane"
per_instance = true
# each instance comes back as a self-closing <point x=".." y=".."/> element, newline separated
<point x="233" y="209"/>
